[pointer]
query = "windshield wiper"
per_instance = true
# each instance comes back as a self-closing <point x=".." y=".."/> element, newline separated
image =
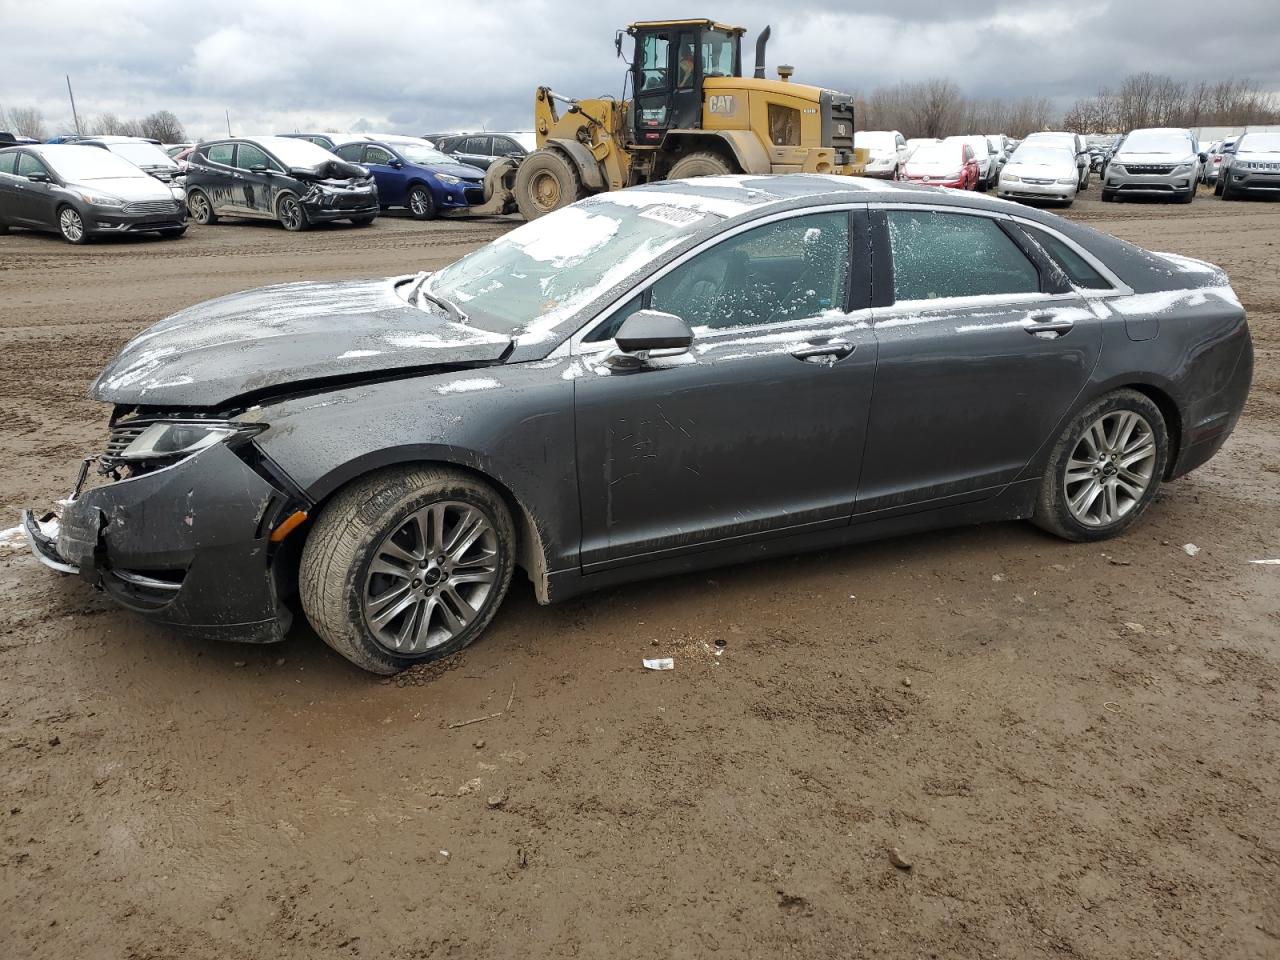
<point x="448" y="306"/>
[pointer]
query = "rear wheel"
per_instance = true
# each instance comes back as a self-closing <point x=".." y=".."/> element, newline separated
<point x="546" y="181"/>
<point x="407" y="565"/>
<point x="1105" y="468"/>
<point x="422" y="205"/>
<point x="71" y="225"/>
<point x="201" y="208"/>
<point x="704" y="163"/>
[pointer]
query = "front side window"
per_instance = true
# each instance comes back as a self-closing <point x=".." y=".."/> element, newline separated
<point x="249" y="156"/>
<point x="686" y="63"/>
<point x="655" y="49"/>
<point x="220" y="153"/>
<point x="788" y="270"/>
<point x="374" y="154"/>
<point x="28" y="165"/>
<point x="939" y="255"/>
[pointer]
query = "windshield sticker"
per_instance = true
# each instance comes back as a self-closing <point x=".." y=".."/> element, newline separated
<point x="673" y="216"/>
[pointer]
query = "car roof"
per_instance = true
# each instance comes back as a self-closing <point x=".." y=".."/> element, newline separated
<point x="115" y="139"/>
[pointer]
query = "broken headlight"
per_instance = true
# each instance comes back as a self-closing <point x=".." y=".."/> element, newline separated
<point x="171" y="440"/>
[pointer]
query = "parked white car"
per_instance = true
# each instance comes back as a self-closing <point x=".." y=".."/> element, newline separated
<point x="1040" y="171"/>
<point x="985" y="154"/>
<point x="1155" y="162"/>
<point x="1073" y="142"/>
<point x="888" y="150"/>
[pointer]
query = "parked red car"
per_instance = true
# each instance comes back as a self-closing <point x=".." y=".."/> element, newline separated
<point x="944" y="165"/>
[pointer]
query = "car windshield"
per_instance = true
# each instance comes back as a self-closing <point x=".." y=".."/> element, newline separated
<point x="533" y="278"/>
<point x="293" y="152"/>
<point x="938" y="153"/>
<point x="78" y="164"/>
<point x="1259" y="143"/>
<point x="142" y="153"/>
<point x="422" y="153"/>
<point x="1042" y="155"/>
<point x="875" y="140"/>
<point x="1157" y="141"/>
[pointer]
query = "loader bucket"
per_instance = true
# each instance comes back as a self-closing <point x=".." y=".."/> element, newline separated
<point x="499" y="198"/>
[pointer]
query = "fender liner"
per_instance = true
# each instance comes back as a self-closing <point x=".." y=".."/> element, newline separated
<point x="746" y="149"/>
<point x="582" y="158"/>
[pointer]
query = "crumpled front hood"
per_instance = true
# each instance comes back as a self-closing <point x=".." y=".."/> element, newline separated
<point x="286" y="336"/>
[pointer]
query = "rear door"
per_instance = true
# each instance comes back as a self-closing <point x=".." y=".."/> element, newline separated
<point x="220" y="180"/>
<point x="9" y="187"/>
<point x="759" y="429"/>
<point x="984" y="348"/>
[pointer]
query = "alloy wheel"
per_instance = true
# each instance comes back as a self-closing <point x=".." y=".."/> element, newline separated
<point x="430" y="577"/>
<point x="290" y="213"/>
<point x="1110" y="468"/>
<point x="71" y="224"/>
<point x="419" y="202"/>
<point x="199" y="207"/>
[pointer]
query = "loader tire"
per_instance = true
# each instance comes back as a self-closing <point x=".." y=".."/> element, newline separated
<point x="704" y="163"/>
<point x="546" y="181"/>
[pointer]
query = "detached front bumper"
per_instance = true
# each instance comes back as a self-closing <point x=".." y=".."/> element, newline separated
<point x="187" y="546"/>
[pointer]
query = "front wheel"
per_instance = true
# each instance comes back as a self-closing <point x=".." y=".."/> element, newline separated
<point x="422" y="205"/>
<point x="201" y="208"/>
<point x="546" y="181"/>
<point x="71" y="226"/>
<point x="1105" y="468"/>
<point x="407" y="565"/>
<point x="291" y="215"/>
<point x="704" y="163"/>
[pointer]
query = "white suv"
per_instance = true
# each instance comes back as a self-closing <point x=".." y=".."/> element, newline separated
<point x="888" y="150"/>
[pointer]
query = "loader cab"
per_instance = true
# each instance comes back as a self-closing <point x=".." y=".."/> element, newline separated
<point x="671" y="60"/>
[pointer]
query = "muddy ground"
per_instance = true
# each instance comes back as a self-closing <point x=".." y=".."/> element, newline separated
<point x="1084" y="763"/>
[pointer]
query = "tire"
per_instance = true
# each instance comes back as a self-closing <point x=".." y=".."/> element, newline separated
<point x="1190" y="195"/>
<point x="704" y="163"/>
<point x="356" y="528"/>
<point x="4" y="229"/>
<point x="1227" y="193"/>
<point x="1218" y="185"/>
<point x="71" y="225"/>
<point x="363" y="221"/>
<point x="172" y="234"/>
<point x="546" y="181"/>
<point x="201" y="208"/>
<point x="290" y="213"/>
<point x="421" y="202"/>
<point x="1100" y="498"/>
<point x="1108" y="196"/>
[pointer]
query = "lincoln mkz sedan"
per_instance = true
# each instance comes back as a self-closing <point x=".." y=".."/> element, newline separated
<point x="648" y="382"/>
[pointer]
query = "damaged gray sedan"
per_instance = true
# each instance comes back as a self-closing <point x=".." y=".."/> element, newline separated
<point x="648" y="382"/>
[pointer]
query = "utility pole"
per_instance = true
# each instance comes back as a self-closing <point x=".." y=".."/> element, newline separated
<point x="74" y="116"/>
<point x="228" y="121"/>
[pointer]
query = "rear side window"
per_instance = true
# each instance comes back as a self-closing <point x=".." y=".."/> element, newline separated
<point x="1073" y="265"/>
<point x="351" y="152"/>
<point x="220" y="153"/>
<point x="8" y="162"/>
<point x="938" y="255"/>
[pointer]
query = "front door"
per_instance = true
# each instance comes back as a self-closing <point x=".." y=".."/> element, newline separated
<point x="759" y="428"/>
<point x="258" y="180"/>
<point x="979" y="362"/>
<point x="36" y="202"/>
<point x="389" y="179"/>
<point x="653" y="82"/>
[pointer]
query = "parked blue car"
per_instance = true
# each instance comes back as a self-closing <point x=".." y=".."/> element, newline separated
<point x="412" y="173"/>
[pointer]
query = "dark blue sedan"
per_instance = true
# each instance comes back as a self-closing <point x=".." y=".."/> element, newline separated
<point x="412" y="173"/>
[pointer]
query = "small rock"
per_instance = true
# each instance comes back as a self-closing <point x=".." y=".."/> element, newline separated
<point x="479" y="744"/>
<point x="279" y="661"/>
<point x="998" y="578"/>
<point x="898" y="860"/>
<point x="54" y="740"/>
<point x="906" y="681"/>
<point x="1191" y="549"/>
<point x="241" y="663"/>
<point x="219" y="914"/>
<point x="444" y="855"/>
<point x="1171" y="648"/>
<point x="471" y="786"/>
<point x="1135" y="627"/>
<point x="498" y="801"/>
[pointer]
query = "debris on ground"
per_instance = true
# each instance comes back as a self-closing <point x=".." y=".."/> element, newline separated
<point x="1273" y="562"/>
<point x="897" y="858"/>
<point x="1135" y="627"/>
<point x="1191" y="549"/>
<point x="660" y="663"/>
<point x="498" y="800"/>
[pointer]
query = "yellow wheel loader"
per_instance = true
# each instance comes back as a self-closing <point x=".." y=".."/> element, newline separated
<point x="691" y="113"/>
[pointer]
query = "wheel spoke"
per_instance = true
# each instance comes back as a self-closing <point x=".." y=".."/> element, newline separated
<point x="469" y="529"/>
<point x="1083" y="499"/>
<point x="1110" y="503"/>
<point x="463" y="575"/>
<point x="393" y="550"/>
<point x="451" y="598"/>
<point x="1137" y="454"/>
<point x="387" y="569"/>
<point x="385" y="607"/>
<point x="1132" y="488"/>
<point x="1124" y="430"/>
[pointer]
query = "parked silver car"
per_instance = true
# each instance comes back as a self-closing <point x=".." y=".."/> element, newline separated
<point x="1073" y="142"/>
<point x="1156" y="162"/>
<point x="1253" y="163"/>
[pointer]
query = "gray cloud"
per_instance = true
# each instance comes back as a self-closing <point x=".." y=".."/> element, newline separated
<point x="411" y="68"/>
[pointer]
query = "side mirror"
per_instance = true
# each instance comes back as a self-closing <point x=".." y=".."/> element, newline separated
<point x="39" y="177"/>
<point x="1204" y="157"/>
<point x="396" y="164"/>
<point x="645" y="333"/>
<point x="260" y="168"/>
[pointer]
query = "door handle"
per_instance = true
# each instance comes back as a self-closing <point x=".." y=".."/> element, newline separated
<point x="1040" y="323"/>
<point x="830" y="351"/>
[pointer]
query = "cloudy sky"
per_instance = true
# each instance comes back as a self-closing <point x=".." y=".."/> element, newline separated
<point x="427" y="66"/>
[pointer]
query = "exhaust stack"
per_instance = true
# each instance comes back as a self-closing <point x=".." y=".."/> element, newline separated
<point x="760" y="42"/>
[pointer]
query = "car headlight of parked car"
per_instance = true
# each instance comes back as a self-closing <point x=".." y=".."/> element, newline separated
<point x="171" y="440"/>
<point x="1011" y="177"/>
<point x="1116" y="167"/>
<point x="101" y="199"/>
<point x="1068" y="180"/>
<point x="448" y="179"/>
<point x="179" y="194"/>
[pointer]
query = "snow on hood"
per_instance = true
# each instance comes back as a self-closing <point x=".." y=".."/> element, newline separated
<point x="283" y="336"/>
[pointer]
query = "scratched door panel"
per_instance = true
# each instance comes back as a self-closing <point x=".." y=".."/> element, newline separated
<point x="738" y="438"/>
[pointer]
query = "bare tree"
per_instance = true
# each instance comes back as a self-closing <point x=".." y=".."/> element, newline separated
<point x="27" y="122"/>
<point x="164" y="126"/>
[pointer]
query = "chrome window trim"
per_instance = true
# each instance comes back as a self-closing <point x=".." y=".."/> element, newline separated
<point x="574" y="345"/>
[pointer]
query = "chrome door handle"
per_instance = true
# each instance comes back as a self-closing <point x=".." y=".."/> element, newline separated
<point x="1047" y="323"/>
<point x="831" y="351"/>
